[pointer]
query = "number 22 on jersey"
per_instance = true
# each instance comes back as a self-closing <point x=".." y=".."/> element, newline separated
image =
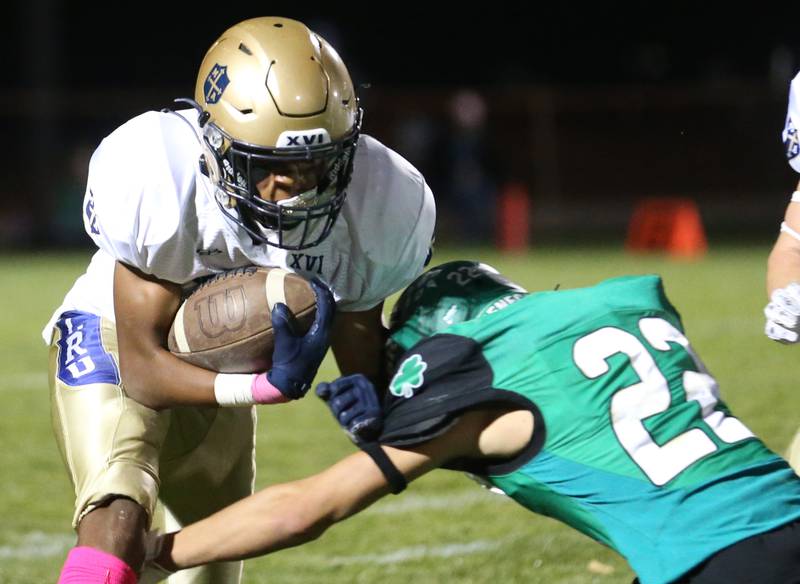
<point x="631" y="405"/>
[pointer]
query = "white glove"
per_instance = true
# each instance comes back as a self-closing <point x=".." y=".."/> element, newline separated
<point x="783" y="314"/>
<point x="151" y="571"/>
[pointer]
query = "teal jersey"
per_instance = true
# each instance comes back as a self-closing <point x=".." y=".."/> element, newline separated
<point x="632" y="444"/>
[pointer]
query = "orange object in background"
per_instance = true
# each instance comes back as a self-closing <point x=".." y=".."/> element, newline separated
<point x="513" y="218"/>
<point x="670" y="224"/>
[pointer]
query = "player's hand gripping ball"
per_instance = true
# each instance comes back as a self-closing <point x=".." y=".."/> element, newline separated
<point x="225" y="325"/>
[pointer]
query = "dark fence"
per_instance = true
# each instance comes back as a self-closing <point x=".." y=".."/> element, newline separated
<point x="585" y="156"/>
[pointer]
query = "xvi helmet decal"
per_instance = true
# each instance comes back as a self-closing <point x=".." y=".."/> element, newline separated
<point x="313" y="137"/>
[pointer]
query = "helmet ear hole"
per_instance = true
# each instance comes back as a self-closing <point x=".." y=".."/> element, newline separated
<point x="214" y="138"/>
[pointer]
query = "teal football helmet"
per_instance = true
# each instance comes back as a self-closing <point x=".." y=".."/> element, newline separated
<point x="443" y="296"/>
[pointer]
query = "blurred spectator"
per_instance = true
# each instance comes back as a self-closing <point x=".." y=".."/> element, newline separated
<point x="66" y="221"/>
<point x="16" y="226"/>
<point x="415" y="138"/>
<point x="469" y="183"/>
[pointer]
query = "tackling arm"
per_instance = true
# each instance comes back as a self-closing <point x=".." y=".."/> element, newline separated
<point x="290" y="514"/>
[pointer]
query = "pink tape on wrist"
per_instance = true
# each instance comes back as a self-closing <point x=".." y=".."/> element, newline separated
<point x="87" y="565"/>
<point x="266" y="393"/>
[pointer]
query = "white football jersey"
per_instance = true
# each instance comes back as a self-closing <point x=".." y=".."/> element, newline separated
<point x="791" y="131"/>
<point x="148" y="205"/>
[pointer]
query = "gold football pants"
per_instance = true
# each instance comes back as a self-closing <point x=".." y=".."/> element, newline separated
<point x="195" y="460"/>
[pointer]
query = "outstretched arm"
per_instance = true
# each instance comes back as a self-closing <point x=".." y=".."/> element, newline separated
<point x="290" y="514"/>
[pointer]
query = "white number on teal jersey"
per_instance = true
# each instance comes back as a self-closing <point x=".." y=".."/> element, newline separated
<point x="631" y="405"/>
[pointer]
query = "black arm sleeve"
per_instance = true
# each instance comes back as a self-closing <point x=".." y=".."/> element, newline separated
<point x="397" y="482"/>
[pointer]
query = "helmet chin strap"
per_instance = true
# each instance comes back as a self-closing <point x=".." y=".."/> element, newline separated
<point x="288" y="234"/>
<point x="298" y="201"/>
<point x="305" y="199"/>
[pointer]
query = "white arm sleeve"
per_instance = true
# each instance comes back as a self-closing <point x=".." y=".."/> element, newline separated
<point x="394" y="224"/>
<point x="413" y="253"/>
<point x="139" y="205"/>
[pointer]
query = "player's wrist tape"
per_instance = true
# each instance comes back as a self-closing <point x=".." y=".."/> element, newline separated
<point x="240" y="389"/>
<point x="796" y="197"/>
<point x="789" y="231"/>
<point x="397" y="482"/>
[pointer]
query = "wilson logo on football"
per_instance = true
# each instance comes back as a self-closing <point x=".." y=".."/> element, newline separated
<point x="221" y="313"/>
<point x="225" y="325"/>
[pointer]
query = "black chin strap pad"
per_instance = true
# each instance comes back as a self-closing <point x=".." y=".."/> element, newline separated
<point x="397" y="482"/>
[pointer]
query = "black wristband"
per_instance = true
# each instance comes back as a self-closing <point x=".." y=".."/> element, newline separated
<point x="397" y="482"/>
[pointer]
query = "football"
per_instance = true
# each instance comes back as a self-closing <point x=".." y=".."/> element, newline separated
<point x="225" y="324"/>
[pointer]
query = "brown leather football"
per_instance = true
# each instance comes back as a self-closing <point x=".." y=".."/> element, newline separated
<point x="225" y="324"/>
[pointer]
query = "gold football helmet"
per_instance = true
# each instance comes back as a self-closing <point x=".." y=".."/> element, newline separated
<point x="276" y="100"/>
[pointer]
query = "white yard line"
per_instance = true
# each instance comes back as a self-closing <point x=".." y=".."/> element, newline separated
<point x="38" y="545"/>
<point x="401" y="555"/>
<point x="41" y="545"/>
<point x="412" y="502"/>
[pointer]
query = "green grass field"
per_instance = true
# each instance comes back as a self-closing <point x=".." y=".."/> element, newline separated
<point x="444" y="528"/>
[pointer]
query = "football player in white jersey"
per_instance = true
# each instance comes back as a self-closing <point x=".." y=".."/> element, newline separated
<point x="266" y="167"/>
<point x="783" y="268"/>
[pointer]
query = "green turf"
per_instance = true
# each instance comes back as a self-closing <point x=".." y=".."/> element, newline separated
<point x="444" y="529"/>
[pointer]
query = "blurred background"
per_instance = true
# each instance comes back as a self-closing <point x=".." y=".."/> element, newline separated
<point x="571" y="115"/>
<point x="539" y="128"/>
